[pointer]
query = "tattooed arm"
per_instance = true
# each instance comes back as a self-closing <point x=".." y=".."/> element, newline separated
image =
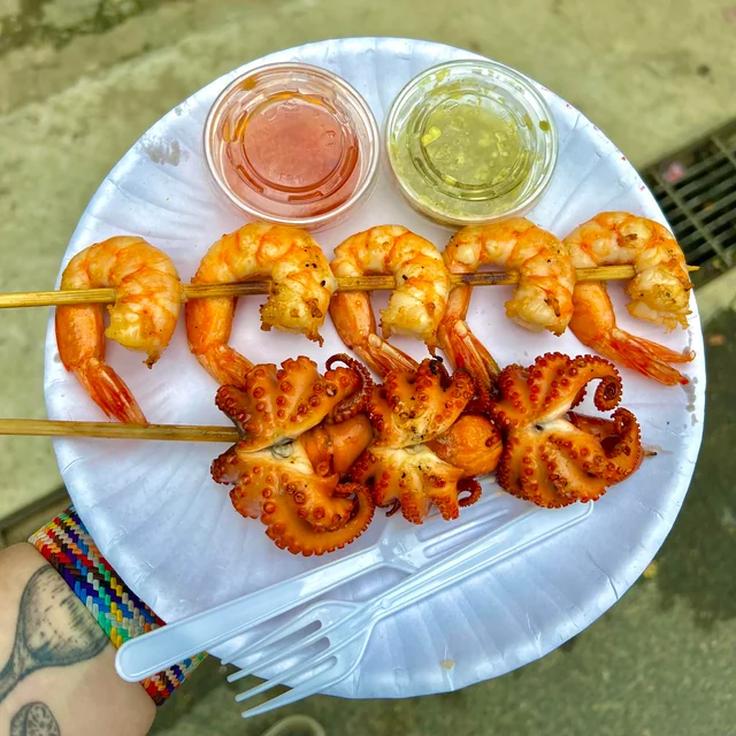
<point x="58" y="672"/>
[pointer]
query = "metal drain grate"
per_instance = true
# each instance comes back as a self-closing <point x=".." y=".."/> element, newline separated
<point x="696" y="189"/>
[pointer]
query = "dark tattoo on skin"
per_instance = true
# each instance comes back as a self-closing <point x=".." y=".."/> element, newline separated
<point x="54" y="630"/>
<point x="34" y="719"/>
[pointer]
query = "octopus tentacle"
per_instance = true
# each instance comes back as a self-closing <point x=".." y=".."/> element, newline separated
<point x="481" y="402"/>
<point x="228" y="467"/>
<point x="569" y="476"/>
<point x="290" y="531"/>
<point x="472" y="488"/>
<point x="358" y="400"/>
<point x="256" y="487"/>
<point x="582" y="448"/>
<point x="620" y="439"/>
<point x="521" y="472"/>
<point x="393" y="507"/>
<point x="537" y="483"/>
<point x="544" y="375"/>
<point x="566" y="378"/>
<point x="512" y="386"/>
<point x="320" y="503"/>
<point x="246" y="499"/>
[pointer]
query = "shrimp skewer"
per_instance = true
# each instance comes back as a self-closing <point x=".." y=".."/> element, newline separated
<point x="106" y="295"/>
<point x="302" y="285"/>
<point x="416" y="306"/>
<point x="541" y="300"/>
<point x="659" y="292"/>
<point x="143" y="317"/>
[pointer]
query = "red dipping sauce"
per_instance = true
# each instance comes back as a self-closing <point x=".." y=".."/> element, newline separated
<point x="292" y="143"/>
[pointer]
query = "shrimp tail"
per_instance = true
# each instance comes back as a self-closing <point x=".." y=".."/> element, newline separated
<point x="226" y="365"/>
<point x="355" y="324"/>
<point x="464" y="350"/>
<point x="383" y="358"/>
<point x="645" y="356"/>
<point x="660" y="352"/>
<point x="109" y="391"/>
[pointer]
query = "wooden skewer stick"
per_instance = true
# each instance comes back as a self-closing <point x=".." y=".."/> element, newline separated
<point x="113" y="430"/>
<point x="353" y="283"/>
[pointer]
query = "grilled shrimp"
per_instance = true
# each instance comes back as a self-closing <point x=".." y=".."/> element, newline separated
<point x="143" y="316"/>
<point x="659" y="292"/>
<point x="541" y="300"/>
<point x="416" y="305"/>
<point x="302" y="284"/>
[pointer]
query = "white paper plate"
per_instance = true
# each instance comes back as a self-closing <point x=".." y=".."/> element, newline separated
<point x="171" y="532"/>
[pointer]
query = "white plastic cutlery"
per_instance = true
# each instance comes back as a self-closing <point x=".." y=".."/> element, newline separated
<point x="347" y="626"/>
<point x="402" y="546"/>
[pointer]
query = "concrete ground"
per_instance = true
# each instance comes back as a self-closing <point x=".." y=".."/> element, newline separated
<point x="80" y="80"/>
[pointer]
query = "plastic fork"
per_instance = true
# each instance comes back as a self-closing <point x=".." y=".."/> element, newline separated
<point x="401" y="546"/>
<point x="347" y="626"/>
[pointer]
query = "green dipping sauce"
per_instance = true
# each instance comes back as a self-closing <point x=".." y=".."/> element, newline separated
<point x="464" y="148"/>
<point x="470" y="147"/>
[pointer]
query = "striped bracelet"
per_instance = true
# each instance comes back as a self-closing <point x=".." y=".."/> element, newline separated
<point x="68" y="547"/>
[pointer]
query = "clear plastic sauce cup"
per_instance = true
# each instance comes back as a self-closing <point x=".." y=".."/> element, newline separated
<point x="293" y="144"/>
<point x="471" y="142"/>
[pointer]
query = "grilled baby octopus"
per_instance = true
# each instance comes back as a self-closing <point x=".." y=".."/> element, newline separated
<point x="551" y="455"/>
<point x="301" y="433"/>
<point x="425" y="452"/>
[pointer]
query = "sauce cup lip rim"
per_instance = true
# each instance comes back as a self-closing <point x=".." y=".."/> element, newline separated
<point x="530" y="87"/>
<point x="373" y="134"/>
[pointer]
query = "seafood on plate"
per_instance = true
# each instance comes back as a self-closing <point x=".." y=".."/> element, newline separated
<point x="659" y="292"/>
<point x="143" y="317"/>
<point x="426" y="451"/>
<point x="302" y="284"/>
<point x="415" y="307"/>
<point x="320" y="450"/>
<point x="542" y="300"/>
<point x="301" y="433"/>
<point x="313" y="468"/>
<point x="552" y="456"/>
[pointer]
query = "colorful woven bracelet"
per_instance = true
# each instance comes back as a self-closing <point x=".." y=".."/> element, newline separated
<point x="67" y="545"/>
